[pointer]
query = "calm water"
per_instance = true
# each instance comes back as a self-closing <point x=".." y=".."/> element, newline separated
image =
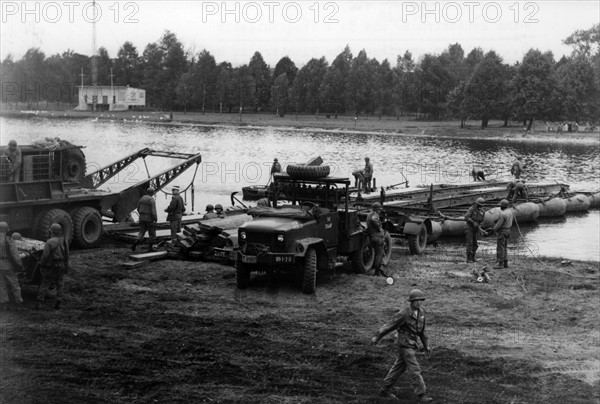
<point x="233" y="158"/>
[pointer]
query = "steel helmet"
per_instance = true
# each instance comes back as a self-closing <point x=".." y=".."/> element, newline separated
<point x="218" y="206"/>
<point x="416" y="294"/>
<point x="3" y="227"/>
<point x="376" y="206"/>
<point x="55" y="229"/>
<point x="150" y="191"/>
<point x="16" y="236"/>
<point x="209" y="207"/>
<point x="12" y="144"/>
<point x="504" y="203"/>
<point x="480" y="201"/>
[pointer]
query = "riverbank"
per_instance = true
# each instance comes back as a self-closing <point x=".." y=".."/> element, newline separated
<point x="342" y="124"/>
<point x="178" y="331"/>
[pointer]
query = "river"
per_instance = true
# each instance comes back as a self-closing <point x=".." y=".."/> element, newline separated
<point x="236" y="157"/>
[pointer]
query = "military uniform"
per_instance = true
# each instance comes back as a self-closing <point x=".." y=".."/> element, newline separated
<point x="15" y="158"/>
<point x="147" y="210"/>
<point x="368" y="176"/>
<point x="474" y="218"/>
<point x="517" y="168"/>
<point x="54" y="264"/>
<point x="409" y="324"/>
<point x="376" y="238"/>
<point x="175" y="212"/>
<point x="502" y="229"/>
<point x="10" y="263"/>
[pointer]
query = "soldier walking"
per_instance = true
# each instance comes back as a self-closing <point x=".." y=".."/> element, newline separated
<point x="408" y="323"/>
<point x="175" y="212"/>
<point x="54" y="265"/>
<point x="10" y="264"/>
<point x="474" y="217"/>
<point x="502" y="229"/>
<point x="148" y="217"/>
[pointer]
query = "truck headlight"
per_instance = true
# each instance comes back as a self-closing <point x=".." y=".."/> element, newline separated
<point x="280" y="238"/>
<point x="243" y="235"/>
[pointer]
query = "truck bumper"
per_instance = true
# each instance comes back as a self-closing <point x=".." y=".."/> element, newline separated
<point x="272" y="259"/>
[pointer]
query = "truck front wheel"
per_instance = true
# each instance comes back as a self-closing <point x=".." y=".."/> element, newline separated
<point x="87" y="227"/>
<point x="242" y="275"/>
<point x="309" y="280"/>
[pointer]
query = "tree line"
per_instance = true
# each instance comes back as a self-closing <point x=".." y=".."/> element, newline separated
<point x="477" y="85"/>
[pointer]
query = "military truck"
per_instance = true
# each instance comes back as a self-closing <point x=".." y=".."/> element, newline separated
<point x="53" y="188"/>
<point x="307" y="235"/>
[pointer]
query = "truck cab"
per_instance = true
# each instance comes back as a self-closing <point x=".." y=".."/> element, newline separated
<point x="304" y="234"/>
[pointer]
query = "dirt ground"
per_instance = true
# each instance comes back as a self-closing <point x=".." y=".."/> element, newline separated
<point x="180" y="332"/>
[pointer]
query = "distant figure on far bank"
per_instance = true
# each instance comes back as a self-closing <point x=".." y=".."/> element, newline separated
<point x="175" y="212"/>
<point x="517" y="168"/>
<point x="478" y="174"/>
<point x="15" y="159"/>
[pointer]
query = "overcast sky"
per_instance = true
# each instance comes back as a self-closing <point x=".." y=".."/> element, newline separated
<point x="232" y="31"/>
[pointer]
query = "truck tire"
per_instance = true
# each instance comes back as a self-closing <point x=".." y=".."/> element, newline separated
<point x="242" y="275"/>
<point x="418" y="242"/>
<point x="87" y="227"/>
<point x="73" y="169"/>
<point x="362" y="260"/>
<point x="309" y="278"/>
<point x="44" y="220"/>
<point x="387" y="248"/>
<point x="307" y="172"/>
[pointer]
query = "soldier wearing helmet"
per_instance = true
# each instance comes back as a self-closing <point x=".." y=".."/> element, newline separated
<point x="54" y="266"/>
<point x="502" y="229"/>
<point x="10" y="264"/>
<point x="147" y="210"/>
<point x="275" y="167"/>
<point x="517" y="167"/>
<point x="175" y="212"/>
<point x="408" y="323"/>
<point x="219" y="210"/>
<point x="474" y="218"/>
<point x="14" y="157"/>
<point x="210" y="212"/>
<point x="376" y="236"/>
<point x="520" y="191"/>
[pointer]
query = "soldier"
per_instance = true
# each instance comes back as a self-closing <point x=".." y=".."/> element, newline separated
<point x="502" y="229"/>
<point x="478" y="174"/>
<point x="510" y="188"/>
<point x="275" y="168"/>
<point x="219" y="211"/>
<point x="14" y="157"/>
<point x="54" y="264"/>
<point x="474" y="217"/>
<point x="10" y="264"/>
<point x="517" y="167"/>
<point x="210" y="212"/>
<point x="520" y="191"/>
<point x="148" y="217"/>
<point x="175" y="212"/>
<point x="376" y="237"/>
<point x="368" y="175"/>
<point x="408" y="323"/>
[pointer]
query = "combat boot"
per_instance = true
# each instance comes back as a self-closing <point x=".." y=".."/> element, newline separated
<point x="57" y="305"/>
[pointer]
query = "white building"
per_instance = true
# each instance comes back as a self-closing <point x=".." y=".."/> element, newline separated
<point x="110" y="98"/>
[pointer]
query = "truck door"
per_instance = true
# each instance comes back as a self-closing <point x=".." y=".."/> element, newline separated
<point x="328" y="228"/>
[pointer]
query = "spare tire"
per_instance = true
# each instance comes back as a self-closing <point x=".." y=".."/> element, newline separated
<point x="307" y="172"/>
<point x="73" y="163"/>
